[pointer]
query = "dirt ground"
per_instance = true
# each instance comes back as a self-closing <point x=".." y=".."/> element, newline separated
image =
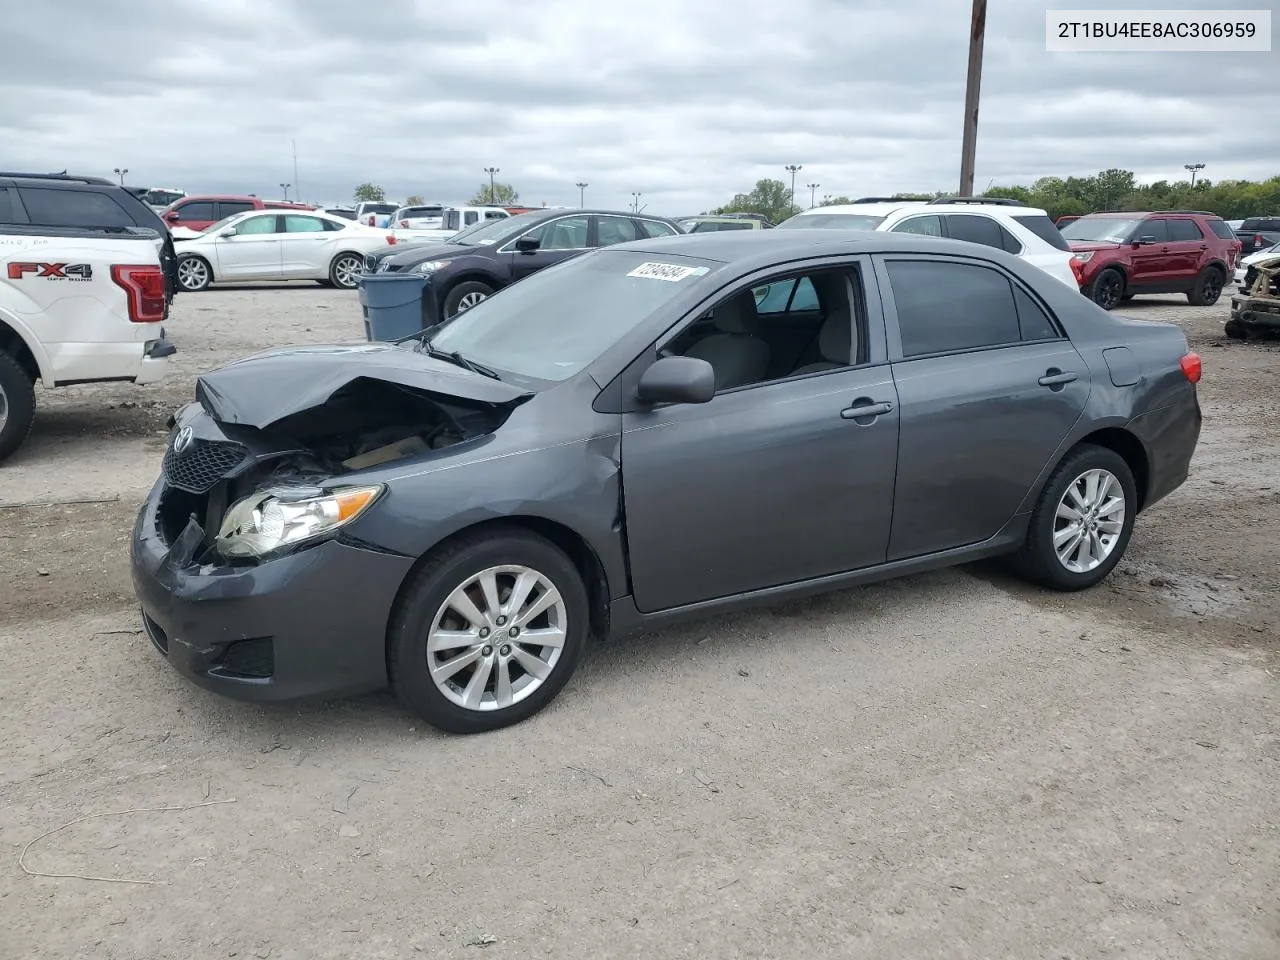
<point x="947" y="766"/>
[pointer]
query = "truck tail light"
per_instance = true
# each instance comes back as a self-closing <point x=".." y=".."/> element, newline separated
<point x="1191" y="367"/>
<point x="144" y="286"/>
<point x="404" y="223"/>
<point x="391" y="239"/>
<point x="1258" y="240"/>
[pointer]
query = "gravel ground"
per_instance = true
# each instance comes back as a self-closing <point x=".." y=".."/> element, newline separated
<point x="950" y="765"/>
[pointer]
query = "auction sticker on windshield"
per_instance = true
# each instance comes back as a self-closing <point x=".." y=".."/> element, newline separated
<point x="672" y="272"/>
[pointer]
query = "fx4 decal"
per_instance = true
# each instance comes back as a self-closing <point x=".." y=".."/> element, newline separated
<point x="75" y="272"/>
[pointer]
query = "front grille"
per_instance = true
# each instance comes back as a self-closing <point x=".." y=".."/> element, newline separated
<point x="254" y="658"/>
<point x="370" y="262"/>
<point x="202" y="464"/>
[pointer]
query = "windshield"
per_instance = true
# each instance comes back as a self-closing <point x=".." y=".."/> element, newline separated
<point x="1099" y="229"/>
<point x="552" y="324"/>
<point x="487" y="232"/>
<point x="831" y="221"/>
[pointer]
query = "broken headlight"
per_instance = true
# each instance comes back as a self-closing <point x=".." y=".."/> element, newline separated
<point x="284" y="516"/>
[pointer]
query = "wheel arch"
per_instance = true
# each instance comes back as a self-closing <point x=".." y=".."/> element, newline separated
<point x="469" y="275"/>
<point x="1220" y="266"/>
<point x="23" y="346"/>
<point x="1127" y="445"/>
<point x="576" y="547"/>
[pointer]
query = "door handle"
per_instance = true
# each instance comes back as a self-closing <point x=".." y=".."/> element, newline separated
<point x="1164" y="249"/>
<point x="1204" y="246"/>
<point x="865" y="407"/>
<point x="1054" y="377"/>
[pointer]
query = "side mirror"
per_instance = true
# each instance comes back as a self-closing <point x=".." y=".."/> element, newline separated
<point x="1144" y="241"/>
<point x="172" y="217"/>
<point x="229" y="232"/>
<point x="528" y="244"/>
<point x="677" y="380"/>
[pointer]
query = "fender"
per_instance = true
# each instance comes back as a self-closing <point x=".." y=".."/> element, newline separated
<point x="31" y="342"/>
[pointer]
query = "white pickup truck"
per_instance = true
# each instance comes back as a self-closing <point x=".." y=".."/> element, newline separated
<point x="77" y="305"/>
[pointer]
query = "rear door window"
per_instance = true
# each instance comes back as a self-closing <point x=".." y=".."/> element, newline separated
<point x="611" y="230"/>
<point x="654" y="228"/>
<point x="1183" y="230"/>
<point x="198" y="210"/>
<point x="227" y="207"/>
<point x="72" y="208"/>
<point x="976" y="229"/>
<point x="946" y="307"/>
<point x="1044" y="228"/>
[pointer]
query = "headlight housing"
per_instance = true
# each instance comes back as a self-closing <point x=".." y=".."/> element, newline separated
<point x="1083" y="256"/>
<point x="431" y="266"/>
<point x="279" y="517"/>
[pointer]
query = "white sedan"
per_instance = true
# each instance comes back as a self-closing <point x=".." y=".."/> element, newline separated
<point x="279" y="245"/>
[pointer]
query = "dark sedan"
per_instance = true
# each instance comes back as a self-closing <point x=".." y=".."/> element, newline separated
<point x="658" y="430"/>
<point x="476" y="263"/>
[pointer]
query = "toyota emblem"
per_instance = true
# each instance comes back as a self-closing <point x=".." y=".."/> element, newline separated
<point x="183" y="440"/>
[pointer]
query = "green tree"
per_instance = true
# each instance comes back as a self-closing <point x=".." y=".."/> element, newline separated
<point x="769" y="198"/>
<point x="369" y="193"/>
<point x="414" y="200"/>
<point x="503" y="194"/>
<point x="835" y="201"/>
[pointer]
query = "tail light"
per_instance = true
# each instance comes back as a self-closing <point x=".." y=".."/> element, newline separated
<point x="1191" y="368"/>
<point x="391" y="239"/>
<point x="144" y="286"/>
<point x="404" y="223"/>
<point x="1258" y="240"/>
<point x="1077" y="269"/>
<point x="371" y="218"/>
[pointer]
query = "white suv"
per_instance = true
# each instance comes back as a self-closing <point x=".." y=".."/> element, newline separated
<point x="1026" y="232"/>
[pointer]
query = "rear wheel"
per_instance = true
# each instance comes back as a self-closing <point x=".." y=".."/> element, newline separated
<point x="17" y="405"/>
<point x="1082" y="523"/>
<point x="194" y="273"/>
<point x="465" y="296"/>
<point x="488" y="631"/>
<point x="1107" y="288"/>
<point x="1208" y="288"/>
<point x="345" y="270"/>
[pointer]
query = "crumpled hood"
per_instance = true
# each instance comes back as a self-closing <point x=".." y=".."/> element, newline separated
<point x="267" y="387"/>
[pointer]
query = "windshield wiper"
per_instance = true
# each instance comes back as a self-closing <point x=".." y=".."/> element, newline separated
<point x="458" y="359"/>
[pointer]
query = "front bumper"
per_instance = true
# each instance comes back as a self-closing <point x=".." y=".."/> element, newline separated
<point x="1256" y="313"/>
<point x="309" y="624"/>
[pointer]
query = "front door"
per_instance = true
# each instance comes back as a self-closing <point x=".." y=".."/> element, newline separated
<point x="768" y="483"/>
<point x="1151" y="259"/>
<point x="988" y="388"/>
<point x="254" y="252"/>
<point x="558" y="240"/>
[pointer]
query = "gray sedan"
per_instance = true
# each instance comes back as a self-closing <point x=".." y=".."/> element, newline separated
<point x="658" y="430"/>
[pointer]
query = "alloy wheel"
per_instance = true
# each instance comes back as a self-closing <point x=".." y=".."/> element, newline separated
<point x="1089" y="520"/>
<point x="470" y="300"/>
<point x="497" y="638"/>
<point x="346" y="270"/>
<point x="192" y="273"/>
<point x="4" y="409"/>
<point x="1212" y="288"/>
<point x="1108" y="292"/>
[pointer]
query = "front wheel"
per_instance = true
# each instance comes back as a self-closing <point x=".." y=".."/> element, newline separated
<point x="1107" y="289"/>
<point x="345" y="270"/>
<point x="194" y="274"/>
<point x="465" y="296"/>
<point x="1208" y="288"/>
<point x="488" y="631"/>
<point x="1082" y="523"/>
<point x="17" y="405"/>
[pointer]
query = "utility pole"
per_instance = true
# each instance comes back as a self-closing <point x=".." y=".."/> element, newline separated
<point x="813" y="193"/>
<point x="582" y="193"/>
<point x="285" y="187"/>
<point x="1194" y="168"/>
<point x="635" y="203"/>
<point x="297" y="192"/>
<point x="491" y="171"/>
<point x="794" y="168"/>
<point x="973" y="82"/>
<point x="120" y="172"/>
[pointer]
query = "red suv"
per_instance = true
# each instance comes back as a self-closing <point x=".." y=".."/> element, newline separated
<point x="197" y="213"/>
<point x="1116" y="256"/>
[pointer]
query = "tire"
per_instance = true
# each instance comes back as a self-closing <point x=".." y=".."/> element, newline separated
<point x="426" y="604"/>
<point x="1236" y="330"/>
<point x="17" y="405"/>
<point x="345" y="270"/>
<point x="1038" y="560"/>
<point x="1107" y="288"/>
<point x="464" y="296"/>
<point x="1208" y="288"/>
<point x="194" y="273"/>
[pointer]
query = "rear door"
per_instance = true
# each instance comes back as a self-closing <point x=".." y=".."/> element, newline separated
<point x="988" y="386"/>
<point x="306" y="247"/>
<point x="254" y="252"/>
<point x="1187" y="248"/>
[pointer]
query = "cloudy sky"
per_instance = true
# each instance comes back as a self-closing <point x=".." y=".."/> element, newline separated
<point x="687" y="102"/>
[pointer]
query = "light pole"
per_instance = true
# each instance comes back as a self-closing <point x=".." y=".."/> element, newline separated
<point x="582" y="192"/>
<point x="794" y="168"/>
<point x="1194" y="168"/>
<point x="635" y="203"/>
<point x="969" y="144"/>
<point x="285" y="187"/>
<point x="491" y="171"/>
<point x="121" y="171"/>
<point x="813" y="192"/>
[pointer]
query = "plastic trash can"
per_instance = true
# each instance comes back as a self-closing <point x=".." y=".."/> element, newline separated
<point x="392" y="304"/>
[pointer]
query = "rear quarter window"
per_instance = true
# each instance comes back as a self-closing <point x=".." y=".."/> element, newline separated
<point x="1221" y="229"/>
<point x="1045" y="229"/>
<point x="72" y="208"/>
<point x="7" y="212"/>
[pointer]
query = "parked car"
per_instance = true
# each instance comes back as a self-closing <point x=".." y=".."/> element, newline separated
<point x="1255" y="307"/>
<point x="78" y="304"/>
<point x="375" y="213"/>
<point x="1244" y="269"/>
<point x="198" y="213"/>
<point x="279" y="245"/>
<point x="716" y="224"/>
<point x="1063" y="221"/>
<point x="1006" y="225"/>
<point x="421" y="217"/>
<point x="471" y="266"/>
<point x="447" y="515"/>
<point x="346" y="213"/>
<point x="1258" y="233"/>
<point x="1117" y="256"/>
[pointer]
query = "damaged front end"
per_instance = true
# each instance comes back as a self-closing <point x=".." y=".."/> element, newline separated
<point x="1255" y="310"/>
<point x="269" y="457"/>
